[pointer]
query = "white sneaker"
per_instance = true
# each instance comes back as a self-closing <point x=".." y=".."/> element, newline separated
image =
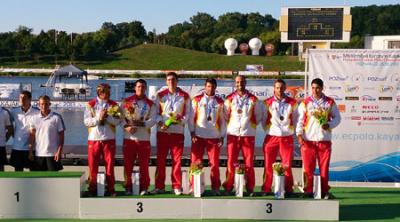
<point x="177" y="192"/>
<point x="144" y="192"/>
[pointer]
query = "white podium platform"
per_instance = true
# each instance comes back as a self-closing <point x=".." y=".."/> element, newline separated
<point x="58" y="195"/>
<point x="207" y="208"/>
<point x="40" y="195"/>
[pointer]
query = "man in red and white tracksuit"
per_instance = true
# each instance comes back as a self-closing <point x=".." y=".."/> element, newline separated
<point x="172" y="103"/>
<point x="243" y="113"/>
<point x="139" y="116"/>
<point x="279" y="122"/>
<point x="207" y="127"/>
<point x="101" y="140"/>
<point x="314" y="135"/>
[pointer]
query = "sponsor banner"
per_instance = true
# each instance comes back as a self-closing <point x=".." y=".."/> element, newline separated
<point x="258" y="73"/>
<point x="262" y="92"/>
<point x="54" y="104"/>
<point x="366" y="87"/>
<point x="10" y="90"/>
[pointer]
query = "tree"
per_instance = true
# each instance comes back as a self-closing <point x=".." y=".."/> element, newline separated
<point x="231" y="22"/>
<point x="24" y="40"/>
<point x="256" y="23"/>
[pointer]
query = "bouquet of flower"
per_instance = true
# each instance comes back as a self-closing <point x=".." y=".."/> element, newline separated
<point x="240" y="168"/>
<point x="196" y="168"/>
<point x="321" y="115"/>
<point x="114" y="111"/>
<point x="173" y="119"/>
<point x="279" y="169"/>
<point x="129" y="111"/>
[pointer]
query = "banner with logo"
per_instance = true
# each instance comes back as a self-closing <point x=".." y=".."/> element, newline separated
<point x="366" y="87"/>
<point x="262" y="92"/>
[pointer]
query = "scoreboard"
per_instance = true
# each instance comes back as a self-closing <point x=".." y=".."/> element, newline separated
<point x="315" y="24"/>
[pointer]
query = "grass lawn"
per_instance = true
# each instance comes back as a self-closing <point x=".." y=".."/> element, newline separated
<point x="38" y="174"/>
<point x="163" y="57"/>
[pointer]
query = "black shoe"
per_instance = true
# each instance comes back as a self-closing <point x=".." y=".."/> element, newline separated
<point x="307" y="195"/>
<point x="289" y="195"/>
<point x="157" y="191"/>
<point x="227" y="193"/>
<point x="328" y="196"/>
<point x="110" y="194"/>
<point x="267" y="194"/>
<point x="215" y="193"/>
<point x="90" y="194"/>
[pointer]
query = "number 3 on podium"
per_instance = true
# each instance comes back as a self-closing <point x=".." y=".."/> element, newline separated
<point x="269" y="208"/>
<point x="139" y="207"/>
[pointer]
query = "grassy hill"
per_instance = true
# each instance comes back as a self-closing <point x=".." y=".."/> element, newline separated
<point x="162" y="57"/>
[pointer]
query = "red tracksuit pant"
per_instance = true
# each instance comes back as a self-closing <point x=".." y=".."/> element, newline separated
<point x="310" y="152"/>
<point x="166" y="142"/>
<point x="96" y="150"/>
<point x="133" y="150"/>
<point x="234" y="145"/>
<point x="273" y="145"/>
<point x="213" y="150"/>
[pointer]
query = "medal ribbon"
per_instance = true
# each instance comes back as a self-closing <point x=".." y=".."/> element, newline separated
<point x="281" y="106"/>
<point x="142" y="110"/>
<point x="241" y="101"/>
<point x="172" y="99"/>
<point x="318" y="104"/>
<point x="209" y="106"/>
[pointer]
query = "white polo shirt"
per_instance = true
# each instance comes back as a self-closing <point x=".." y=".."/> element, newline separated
<point x="22" y="121"/>
<point x="5" y="121"/>
<point x="47" y="130"/>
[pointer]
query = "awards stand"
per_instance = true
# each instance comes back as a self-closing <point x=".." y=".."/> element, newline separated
<point x="59" y="195"/>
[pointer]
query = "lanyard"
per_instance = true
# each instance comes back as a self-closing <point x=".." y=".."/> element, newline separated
<point x="172" y="99"/>
<point x="209" y="106"/>
<point x="143" y="109"/>
<point x="318" y="104"/>
<point x="281" y="106"/>
<point x="102" y="104"/>
<point x="241" y="101"/>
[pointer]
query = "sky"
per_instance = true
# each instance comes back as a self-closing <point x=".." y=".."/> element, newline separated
<point x="88" y="15"/>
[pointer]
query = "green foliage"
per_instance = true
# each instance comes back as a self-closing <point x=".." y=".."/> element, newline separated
<point x="23" y="43"/>
<point x="372" y="20"/>
<point x="202" y="32"/>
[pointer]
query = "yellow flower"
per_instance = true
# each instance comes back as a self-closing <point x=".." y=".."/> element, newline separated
<point x="279" y="169"/>
<point x="114" y="112"/>
<point x="321" y="115"/>
<point x="196" y="168"/>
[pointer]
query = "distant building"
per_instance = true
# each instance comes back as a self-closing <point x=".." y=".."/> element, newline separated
<point x="382" y="42"/>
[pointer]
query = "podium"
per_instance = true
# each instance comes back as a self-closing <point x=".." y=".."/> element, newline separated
<point x="40" y="194"/>
<point x="58" y="195"/>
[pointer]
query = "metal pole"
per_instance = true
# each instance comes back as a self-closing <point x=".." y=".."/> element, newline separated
<point x="55" y="41"/>
<point x="306" y="75"/>
<point x="70" y="56"/>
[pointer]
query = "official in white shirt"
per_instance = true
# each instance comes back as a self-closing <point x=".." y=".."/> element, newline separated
<point x="22" y="116"/>
<point x="46" y="137"/>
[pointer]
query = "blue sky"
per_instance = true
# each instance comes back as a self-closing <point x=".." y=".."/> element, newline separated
<point x="89" y="15"/>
